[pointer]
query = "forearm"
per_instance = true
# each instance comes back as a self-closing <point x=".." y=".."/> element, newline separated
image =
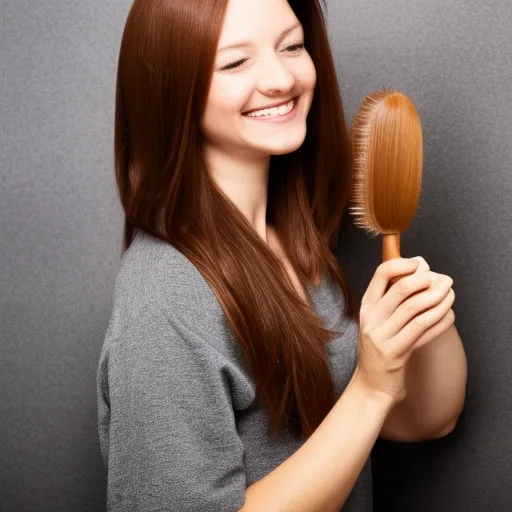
<point x="321" y="474"/>
<point x="436" y="376"/>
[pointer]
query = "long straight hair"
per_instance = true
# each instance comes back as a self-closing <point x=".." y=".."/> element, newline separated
<point x="164" y="73"/>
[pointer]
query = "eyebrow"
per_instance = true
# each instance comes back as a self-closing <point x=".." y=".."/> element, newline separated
<point x="248" y="43"/>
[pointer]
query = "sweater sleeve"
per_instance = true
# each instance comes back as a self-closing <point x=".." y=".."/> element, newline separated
<point x="166" y="421"/>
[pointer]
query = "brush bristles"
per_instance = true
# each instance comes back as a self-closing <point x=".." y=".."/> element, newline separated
<point x="360" y="137"/>
<point x="388" y="153"/>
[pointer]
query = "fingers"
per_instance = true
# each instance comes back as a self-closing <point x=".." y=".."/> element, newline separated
<point x="436" y="330"/>
<point x="399" y="293"/>
<point x="401" y="304"/>
<point x="407" y="337"/>
<point x="423" y="264"/>
<point x="385" y="271"/>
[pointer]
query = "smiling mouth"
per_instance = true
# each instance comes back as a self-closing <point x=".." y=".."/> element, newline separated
<point x="277" y="111"/>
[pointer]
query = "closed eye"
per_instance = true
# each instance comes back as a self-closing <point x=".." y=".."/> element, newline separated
<point x="234" y="65"/>
<point x="295" y="47"/>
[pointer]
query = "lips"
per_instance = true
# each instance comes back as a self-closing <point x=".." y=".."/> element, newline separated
<point x="272" y="106"/>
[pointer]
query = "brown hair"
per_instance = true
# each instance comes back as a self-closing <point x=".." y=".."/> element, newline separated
<point x="164" y="71"/>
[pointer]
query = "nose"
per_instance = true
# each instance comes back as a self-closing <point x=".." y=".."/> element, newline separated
<point x="275" y="77"/>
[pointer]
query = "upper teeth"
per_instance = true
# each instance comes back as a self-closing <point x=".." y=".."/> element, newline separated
<point x="274" y="111"/>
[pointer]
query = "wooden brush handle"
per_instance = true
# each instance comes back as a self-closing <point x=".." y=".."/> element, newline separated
<point x="390" y="251"/>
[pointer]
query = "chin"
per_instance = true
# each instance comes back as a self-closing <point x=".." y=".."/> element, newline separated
<point x="285" y="150"/>
<point x="281" y="147"/>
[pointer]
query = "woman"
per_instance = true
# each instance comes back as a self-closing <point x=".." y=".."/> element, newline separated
<point x="230" y="376"/>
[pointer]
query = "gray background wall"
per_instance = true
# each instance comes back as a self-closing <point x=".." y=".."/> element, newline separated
<point x="60" y="228"/>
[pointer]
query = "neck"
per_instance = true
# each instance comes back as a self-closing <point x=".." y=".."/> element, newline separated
<point x="244" y="180"/>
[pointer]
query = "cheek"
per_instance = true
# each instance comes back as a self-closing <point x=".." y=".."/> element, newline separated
<point x="227" y="96"/>
<point x="308" y="74"/>
<point x="305" y="73"/>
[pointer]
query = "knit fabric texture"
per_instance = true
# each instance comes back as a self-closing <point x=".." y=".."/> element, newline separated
<point x="179" y="425"/>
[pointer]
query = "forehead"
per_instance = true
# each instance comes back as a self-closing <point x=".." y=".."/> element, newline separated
<point x="255" y="20"/>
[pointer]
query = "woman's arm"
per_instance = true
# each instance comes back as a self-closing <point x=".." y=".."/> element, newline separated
<point x="320" y="475"/>
<point x="166" y="421"/>
<point x="436" y="379"/>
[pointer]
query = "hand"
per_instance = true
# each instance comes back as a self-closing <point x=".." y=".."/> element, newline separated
<point x="449" y="318"/>
<point x="393" y="321"/>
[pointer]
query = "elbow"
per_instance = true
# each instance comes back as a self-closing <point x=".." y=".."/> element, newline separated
<point x="443" y="432"/>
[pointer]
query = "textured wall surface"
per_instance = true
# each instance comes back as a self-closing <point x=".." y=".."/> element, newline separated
<point x="60" y="227"/>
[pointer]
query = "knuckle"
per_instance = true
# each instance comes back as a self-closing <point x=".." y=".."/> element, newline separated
<point x="404" y="289"/>
<point x="409" y="306"/>
<point x="382" y="268"/>
<point x="420" y="321"/>
<point x="445" y="279"/>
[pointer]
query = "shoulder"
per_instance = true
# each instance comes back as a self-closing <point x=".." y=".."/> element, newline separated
<point x="156" y="348"/>
<point x="156" y="282"/>
<point x="151" y="268"/>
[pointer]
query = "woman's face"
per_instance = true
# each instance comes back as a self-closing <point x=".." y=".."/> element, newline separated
<point x="262" y="88"/>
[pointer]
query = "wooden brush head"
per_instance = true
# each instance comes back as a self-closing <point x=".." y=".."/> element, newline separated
<point x="387" y="149"/>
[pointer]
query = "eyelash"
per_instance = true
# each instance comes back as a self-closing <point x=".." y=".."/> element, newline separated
<point x="295" y="47"/>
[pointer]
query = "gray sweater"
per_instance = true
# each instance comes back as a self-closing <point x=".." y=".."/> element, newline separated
<point x="179" y="426"/>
